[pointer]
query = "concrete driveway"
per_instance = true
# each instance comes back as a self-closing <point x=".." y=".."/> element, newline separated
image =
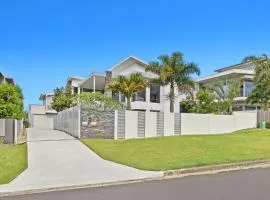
<point x="55" y="159"/>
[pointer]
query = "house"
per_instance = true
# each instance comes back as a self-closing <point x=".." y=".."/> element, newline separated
<point x="42" y="116"/>
<point x="47" y="99"/>
<point x="154" y="98"/>
<point x="74" y="82"/>
<point x="4" y="79"/>
<point x="243" y="72"/>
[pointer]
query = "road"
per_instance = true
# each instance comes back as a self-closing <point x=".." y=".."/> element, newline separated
<point x="240" y="185"/>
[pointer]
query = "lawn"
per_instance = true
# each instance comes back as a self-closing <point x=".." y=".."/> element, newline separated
<point x="165" y="153"/>
<point x="13" y="161"/>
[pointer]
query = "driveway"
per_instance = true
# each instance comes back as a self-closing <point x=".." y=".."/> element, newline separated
<point x="55" y="159"/>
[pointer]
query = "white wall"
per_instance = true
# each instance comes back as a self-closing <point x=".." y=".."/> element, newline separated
<point x="245" y="119"/>
<point x="131" y="127"/>
<point x="192" y="124"/>
<point x="150" y="124"/>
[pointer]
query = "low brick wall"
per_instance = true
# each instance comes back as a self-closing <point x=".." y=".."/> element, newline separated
<point x="97" y="124"/>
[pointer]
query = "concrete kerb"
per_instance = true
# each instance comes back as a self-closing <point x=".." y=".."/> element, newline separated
<point x="170" y="174"/>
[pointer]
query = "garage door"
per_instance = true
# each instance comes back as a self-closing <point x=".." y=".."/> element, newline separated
<point x="43" y="121"/>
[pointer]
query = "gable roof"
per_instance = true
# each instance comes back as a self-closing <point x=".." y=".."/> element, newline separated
<point x="127" y="60"/>
<point x="236" y="66"/>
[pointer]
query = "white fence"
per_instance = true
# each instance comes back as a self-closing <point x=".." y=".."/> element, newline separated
<point x="136" y="124"/>
<point x="69" y="121"/>
<point x="215" y="124"/>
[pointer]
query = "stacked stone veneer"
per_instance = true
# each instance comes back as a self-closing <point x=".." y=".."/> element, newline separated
<point x="98" y="124"/>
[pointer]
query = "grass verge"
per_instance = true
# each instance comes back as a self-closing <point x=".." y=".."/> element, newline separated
<point x="13" y="161"/>
<point x="176" y="152"/>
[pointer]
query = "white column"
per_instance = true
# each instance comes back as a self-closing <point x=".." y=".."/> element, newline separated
<point x="147" y="98"/>
<point x="79" y="90"/>
<point x="94" y="84"/>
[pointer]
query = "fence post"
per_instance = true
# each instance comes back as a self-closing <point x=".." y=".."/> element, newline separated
<point x="115" y="123"/>
<point x="79" y="121"/>
<point x="15" y="132"/>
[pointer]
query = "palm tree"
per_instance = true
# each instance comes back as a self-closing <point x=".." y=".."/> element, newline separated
<point x="128" y="86"/>
<point x="172" y="71"/>
<point x="254" y="58"/>
<point x="226" y="93"/>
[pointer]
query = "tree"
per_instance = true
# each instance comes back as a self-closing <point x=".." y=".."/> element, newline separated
<point x="173" y="71"/>
<point x="128" y="86"/>
<point x="254" y="58"/>
<point x="225" y="94"/>
<point x="205" y="102"/>
<point x="260" y="95"/>
<point x="11" y="101"/>
<point x="63" y="99"/>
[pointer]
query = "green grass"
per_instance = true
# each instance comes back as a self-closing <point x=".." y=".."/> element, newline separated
<point x="13" y="161"/>
<point x="165" y="153"/>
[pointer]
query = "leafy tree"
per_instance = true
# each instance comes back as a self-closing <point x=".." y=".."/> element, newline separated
<point x="261" y="93"/>
<point x="205" y="102"/>
<point x="173" y="71"/>
<point x="225" y="94"/>
<point x="63" y="99"/>
<point x="11" y="101"/>
<point x="128" y="86"/>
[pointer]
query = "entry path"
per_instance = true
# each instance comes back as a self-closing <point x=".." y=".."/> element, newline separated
<point x="55" y="159"/>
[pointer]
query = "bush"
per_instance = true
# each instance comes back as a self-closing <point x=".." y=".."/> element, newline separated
<point x="26" y="124"/>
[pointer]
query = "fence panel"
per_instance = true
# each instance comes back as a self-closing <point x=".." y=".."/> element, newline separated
<point x="69" y="121"/>
<point x="2" y="127"/>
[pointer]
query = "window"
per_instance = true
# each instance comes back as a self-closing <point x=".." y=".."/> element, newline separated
<point x="115" y="96"/>
<point x="75" y="89"/>
<point x="155" y="93"/>
<point x="139" y="96"/>
<point x="248" y="87"/>
<point x="123" y="98"/>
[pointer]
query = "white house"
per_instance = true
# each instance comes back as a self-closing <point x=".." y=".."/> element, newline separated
<point x="243" y="72"/>
<point x="154" y="98"/>
<point x="41" y="116"/>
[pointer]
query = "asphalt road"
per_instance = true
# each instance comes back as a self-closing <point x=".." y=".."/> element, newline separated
<point x="241" y="185"/>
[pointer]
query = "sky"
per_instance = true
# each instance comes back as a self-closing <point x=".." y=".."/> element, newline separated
<point x="43" y="42"/>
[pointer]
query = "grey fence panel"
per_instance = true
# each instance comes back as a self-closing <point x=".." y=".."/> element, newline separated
<point x="2" y="127"/>
<point x="141" y="124"/>
<point x="69" y="121"/>
<point x="160" y="123"/>
<point x="263" y="115"/>
<point x="177" y="123"/>
<point x="9" y="131"/>
<point x="121" y="124"/>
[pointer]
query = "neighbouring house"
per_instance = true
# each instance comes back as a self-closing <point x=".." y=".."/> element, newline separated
<point x="42" y="116"/>
<point x="74" y="82"/>
<point x="154" y="98"/>
<point x="243" y="72"/>
<point x="4" y="79"/>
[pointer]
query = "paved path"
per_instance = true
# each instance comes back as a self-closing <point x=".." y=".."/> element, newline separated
<point x="56" y="159"/>
<point x="241" y="185"/>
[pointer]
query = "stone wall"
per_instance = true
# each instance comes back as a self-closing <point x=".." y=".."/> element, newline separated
<point x="98" y="124"/>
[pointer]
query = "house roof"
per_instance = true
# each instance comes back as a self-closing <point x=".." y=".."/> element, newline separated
<point x="43" y="95"/>
<point x="128" y="59"/>
<point x="236" y="66"/>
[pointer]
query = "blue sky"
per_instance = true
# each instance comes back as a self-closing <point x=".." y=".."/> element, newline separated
<point x="42" y="42"/>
